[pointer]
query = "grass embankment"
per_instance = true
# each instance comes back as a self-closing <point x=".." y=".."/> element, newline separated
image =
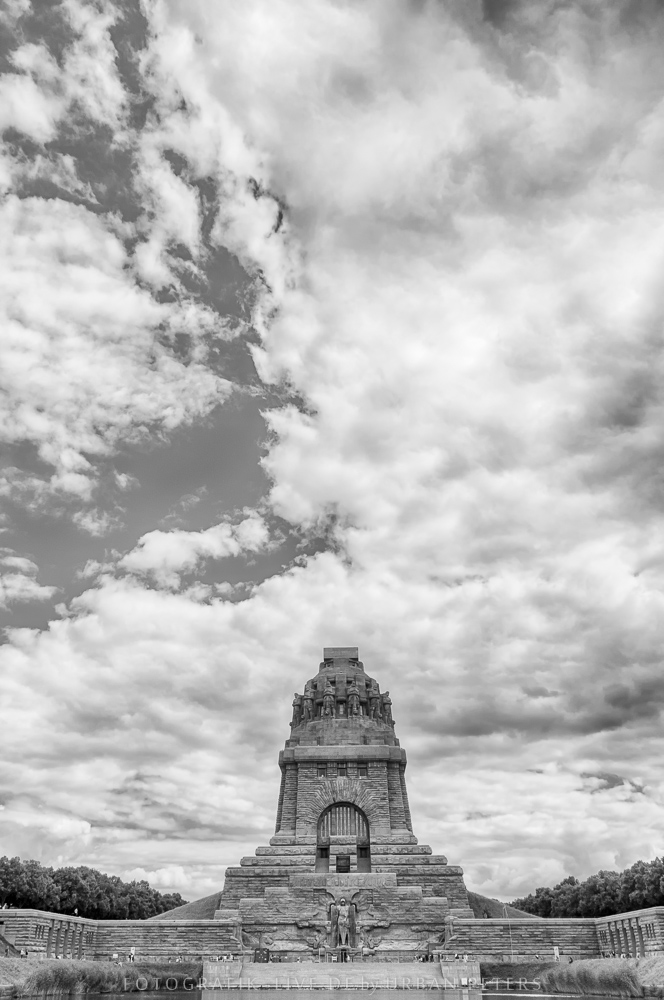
<point x="485" y="906"/>
<point x="35" y="977"/>
<point x="614" y="977"/>
<point x="198" y="909"/>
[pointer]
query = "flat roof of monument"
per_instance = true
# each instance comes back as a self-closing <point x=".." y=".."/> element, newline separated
<point x="340" y="652"/>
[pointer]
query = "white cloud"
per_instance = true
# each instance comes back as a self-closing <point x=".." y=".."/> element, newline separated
<point x="165" y="555"/>
<point x="90" y="68"/>
<point x="176" y="214"/>
<point x="18" y="562"/>
<point x="96" y="522"/>
<point x="26" y="99"/>
<point x="82" y="364"/>
<point x="60" y="169"/>
<point x="13" y="10"/>
<point x="89" y="361"/>
<point x="93" y="568"/>
<point x="17" y="580"/>
<point x="194" y="123"/>
<point x="171" y="879"/>
<point x="18" y="588"/>
<point x="39" y="95"/>
<point x="42" y="93"/>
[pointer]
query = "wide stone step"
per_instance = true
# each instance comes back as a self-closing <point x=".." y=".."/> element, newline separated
<point x="248" y="871"/>
<point x="401" y="860"/>
<point x="302" y="849"/>
<point x="279" y="861"/>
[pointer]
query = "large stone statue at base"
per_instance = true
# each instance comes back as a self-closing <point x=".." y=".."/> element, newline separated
<point x="344" y="923"/>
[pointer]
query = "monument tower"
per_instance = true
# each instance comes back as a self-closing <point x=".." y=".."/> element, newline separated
<point x="344" y="869"/>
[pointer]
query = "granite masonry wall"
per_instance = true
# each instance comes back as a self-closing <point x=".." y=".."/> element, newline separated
<point x="640" y="932"/>
<point x="498" y="939"/>
<point x="49" y="934"/>
<point x="53" y="935"/>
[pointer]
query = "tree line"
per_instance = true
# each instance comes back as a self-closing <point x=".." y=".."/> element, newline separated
<point x="83" y="890"/>
<point x="601" y="895"/>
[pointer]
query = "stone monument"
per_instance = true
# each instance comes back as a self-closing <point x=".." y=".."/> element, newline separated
<point x="343" y="871"/>
<point x="343" y="875"/>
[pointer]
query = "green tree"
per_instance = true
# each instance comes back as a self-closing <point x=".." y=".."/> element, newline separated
<point x="92" y="893"/>
<point x="28" y="884"/>
<point x="600" y="895"/>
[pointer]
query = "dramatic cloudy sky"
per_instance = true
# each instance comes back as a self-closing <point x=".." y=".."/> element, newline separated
<point x="331" y="322"/>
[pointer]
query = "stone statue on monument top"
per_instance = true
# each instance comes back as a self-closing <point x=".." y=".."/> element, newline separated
<point x="353" y="699"/>
<point x="387" y="709"/>
<point x="308" y="702"/>
<point x="328" y="700"/>
<point x="374" y="701"/>
<point x="297" y="709"/>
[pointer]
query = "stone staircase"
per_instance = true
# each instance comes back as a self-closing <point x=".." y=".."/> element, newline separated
<point x="346" y="975"/>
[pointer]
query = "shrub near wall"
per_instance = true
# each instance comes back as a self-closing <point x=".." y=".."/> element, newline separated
<point x="157" y="974"/>
<point x="651" y="975"/>
<point x="72" y="977"/>
<point x="100" y="977"/>
<point x="614" y="977"/>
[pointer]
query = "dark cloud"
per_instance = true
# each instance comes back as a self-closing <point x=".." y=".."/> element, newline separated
<point x="498" y="11"/>
<point x="539" y="691"/>
<point x="607" y="780"/>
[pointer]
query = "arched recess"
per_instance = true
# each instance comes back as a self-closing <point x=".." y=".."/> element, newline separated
<point x="351" y="790"/>
<point x="343" y="819"/>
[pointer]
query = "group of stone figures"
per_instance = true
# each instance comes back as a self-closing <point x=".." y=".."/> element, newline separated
<point x="341" y="931"/>
<point x="345" y="923"/>
<point x="379" y="706"/>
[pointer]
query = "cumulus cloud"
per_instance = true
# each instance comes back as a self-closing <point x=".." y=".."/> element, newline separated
<point x="96" y="358"/>
<point x="82" y="365"/>
<point x="95" y="522"/>
<point x="42" y="91"/>
<point x="169" y="879"/>
<point x="457" y="221"/>
<point x="18" y="580"/>
<point x="165" y="555"/>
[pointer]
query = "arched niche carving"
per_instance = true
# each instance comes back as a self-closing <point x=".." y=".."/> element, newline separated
<point x="343" y="830"/>
<point x="351" y="790"/>
<point x="343" y="819"/>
